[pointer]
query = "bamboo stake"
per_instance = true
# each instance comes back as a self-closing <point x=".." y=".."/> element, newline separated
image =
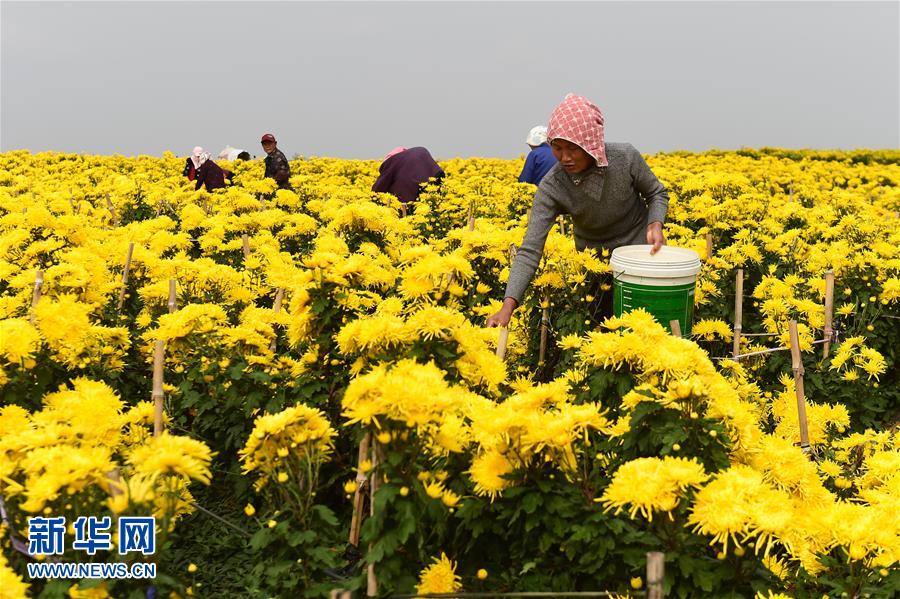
<point x="501" y="343"/>
<point x="562" y="224"/>
<point x="471" y="217"/>
<point x="157" y="396"/>
<point x="276" y="307"/>
<point x="512" y="252"/>
<point x="36" y="296"/>
<point x="374" y="483"/>
<point x="829" y="311"/>
<point x="125" y="272"/>
<point x="738" y="311"/>
<point x="675" y="326"/>
<point x="361" y="482"/>
<point x="709" y="245"/>
<point x="403" y="212"/>
<point x="246" y="243"/>
<point x="797" y="367"/>
<point x="173" y="298"/>
<point x="114" y="479"/>
<point x="656" y="575"/>
<point x="112" y="211"/>
<point x="545" y="327"/>
<point x="279" y="298"/>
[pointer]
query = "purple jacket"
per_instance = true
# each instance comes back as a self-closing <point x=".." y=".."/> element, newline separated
<point x="403" y="174"/>
<point x="211" y="175"/>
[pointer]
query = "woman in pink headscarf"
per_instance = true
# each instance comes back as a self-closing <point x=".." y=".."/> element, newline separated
<point x="608" y="189"/>
<point x="193" y="163"/>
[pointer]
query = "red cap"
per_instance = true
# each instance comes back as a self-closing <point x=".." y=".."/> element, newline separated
<point x="267" y="137"/>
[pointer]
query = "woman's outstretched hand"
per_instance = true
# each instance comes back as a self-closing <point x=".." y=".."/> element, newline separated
<point x="501" y="318"/>
<point x="655" y="237"/>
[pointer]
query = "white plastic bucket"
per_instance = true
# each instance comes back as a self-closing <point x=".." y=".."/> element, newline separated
<point x="662" y="283"/>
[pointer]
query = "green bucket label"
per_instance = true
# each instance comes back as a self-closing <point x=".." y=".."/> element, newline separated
<point x="675" y="302"/>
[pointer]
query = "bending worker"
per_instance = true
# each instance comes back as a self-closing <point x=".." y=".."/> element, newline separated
<point x="540" y="159"/>
<point x="613" y="196"/>
<point x="211" y="174"/>
<point x="404" y="172"/>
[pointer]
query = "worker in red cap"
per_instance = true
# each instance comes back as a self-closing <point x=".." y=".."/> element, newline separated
<point x="277" y="166"/>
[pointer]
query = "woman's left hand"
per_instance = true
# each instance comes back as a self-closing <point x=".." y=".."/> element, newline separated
<point x="655" y="237"/>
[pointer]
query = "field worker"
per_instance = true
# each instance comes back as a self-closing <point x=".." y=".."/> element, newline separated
<point x="540" y="160"/>
<point x="277" y="166"/>
<point x="404" y="171"/>
<point x="613" y="196"/>
<point x="193" y="163"/>
<point x="211" y="174"/>
<point x="230" y="153"/>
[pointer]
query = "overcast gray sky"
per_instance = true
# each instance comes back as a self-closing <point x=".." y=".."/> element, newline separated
<point x="461" y="78"/>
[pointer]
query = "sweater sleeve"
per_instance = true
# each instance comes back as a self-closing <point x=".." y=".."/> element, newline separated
<point x="650" y="188"/>
<point x="543" y="214"/>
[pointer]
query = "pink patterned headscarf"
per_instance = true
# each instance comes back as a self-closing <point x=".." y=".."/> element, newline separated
<point x="396" y="150"/>
<point x="196" y="156"/>
<point x="579" y="121"/>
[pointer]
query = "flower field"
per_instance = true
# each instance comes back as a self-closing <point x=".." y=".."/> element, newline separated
<point x="298" y="326"/>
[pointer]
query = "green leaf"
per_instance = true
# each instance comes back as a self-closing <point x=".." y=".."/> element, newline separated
<point x="260" y="539"/>
<point x="531" y="502"/>
<point x="326" y="515"/>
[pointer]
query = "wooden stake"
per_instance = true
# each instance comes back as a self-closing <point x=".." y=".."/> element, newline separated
<point x="36" y="296"/>
<point x="656" y="575"/>
<point x="112" y="211"/>
<point x="675" y="327"/>
<point x="797" y="367"/>
<point x="374" y="483"/>
<point x="512" y="252"/>
<point x="114" y="479"/>
<point x="279" y="297"/>
<point x="545" y="327"/>
<point x="829" y="312"/>
<point x="159" y="356"/>
<point x="403" y="209"/>
<point x="738" y="311"/>
<point x="501" y="342"/>
<point x="472" y="215"/>
<point x="125" y="272"/>
<point x="246" y="243"/>
<point x="361" y="482"/>
<point x="276" y="308"/>
<point x="562" y="224"/>
<point x="173" y="298"/>
<point x="709" y="245"/>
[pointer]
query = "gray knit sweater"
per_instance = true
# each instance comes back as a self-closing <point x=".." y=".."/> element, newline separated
<point x="610" y="207"/>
